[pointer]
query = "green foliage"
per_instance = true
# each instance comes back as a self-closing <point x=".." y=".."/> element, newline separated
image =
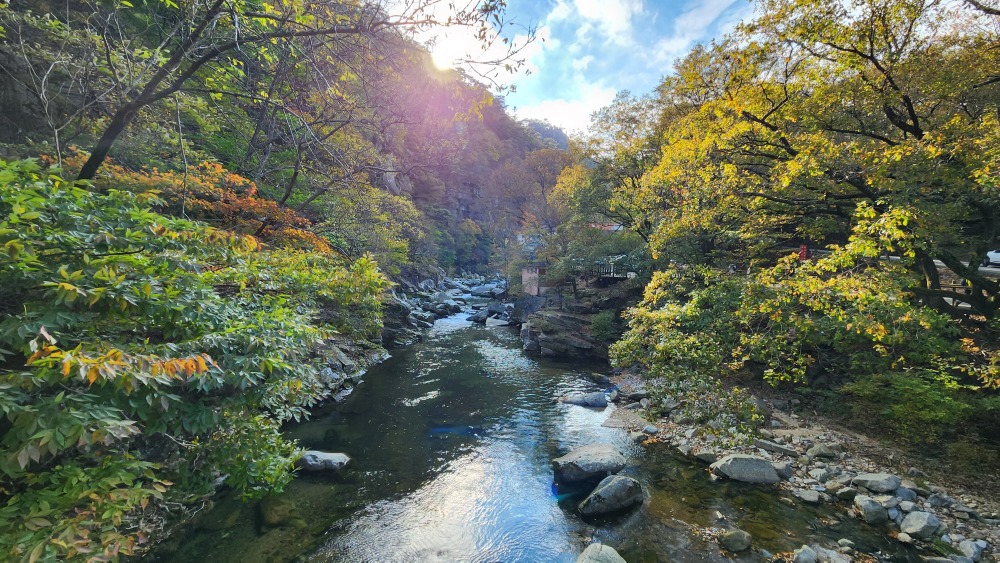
<point x="864" y="129"/>
<point x="681" y="332"/>
<point x="922" y="403"/>
<point x="144" y="355"/>
<point x="604" y="326"/>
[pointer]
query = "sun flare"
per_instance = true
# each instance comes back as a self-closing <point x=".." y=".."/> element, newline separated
<point x="448" y="51"/>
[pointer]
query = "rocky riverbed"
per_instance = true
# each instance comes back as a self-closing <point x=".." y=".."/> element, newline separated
<point x="806" y="461"/>
<point x="799" y="474"/>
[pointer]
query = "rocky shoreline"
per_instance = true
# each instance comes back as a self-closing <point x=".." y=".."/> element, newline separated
<point x="804" y="461"/>
<point x="807" y="462"/>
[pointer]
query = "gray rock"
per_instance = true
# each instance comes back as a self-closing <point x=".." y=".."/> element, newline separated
<point x="746" y="468"/>
<point x="650" y="429"/>
<point x="479" y="316"/>
<point x="871" y="511"/>
<point x="907" y="505"/>
<point x="920" y="525"/>
<point x="878" y="482"/>
<point x="819" y="474"/>
<point x="775" y="448"/>
<point x="599" y="553"/>
<point x="588" y="462"/>
<point x="939" y="499"/>
<point x="830" y="556"/>
<point x="903" y="493"/>
<point x="706" y="456"/>
<point x="971" y="549"/>
<point x="784" y="469"/>
<point x="313" y="460"/>
<point x="735" y="540"/>
<point x="596" y="399"/>
<point x="846" y="493"/>
<point x="887" y="501"/>
<point x="804" y="554"/>
<point x="612" y="494"/>
<point x="485" y="290"/>
<point x="808" y="495"/>
<point x="821" y="450"/>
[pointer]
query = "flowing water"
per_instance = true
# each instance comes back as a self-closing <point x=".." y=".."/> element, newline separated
<point x="452" y="441"/>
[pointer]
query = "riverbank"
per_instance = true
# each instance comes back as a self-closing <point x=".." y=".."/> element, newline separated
<point x="818" y="461"/>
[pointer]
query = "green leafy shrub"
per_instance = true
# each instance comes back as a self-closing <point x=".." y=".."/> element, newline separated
<point x="141" y="356"/>
<point x="604" y="326"/>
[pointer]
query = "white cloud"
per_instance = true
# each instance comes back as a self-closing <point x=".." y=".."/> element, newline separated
<point x="582" y="63"/>
<point x="571" y="115"/>
<point x="613" y="18"/>
<point x="695" y="24"/>
<point x="561" y="11"/>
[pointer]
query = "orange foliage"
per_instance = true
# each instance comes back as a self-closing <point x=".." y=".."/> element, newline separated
<point x="214" y="195"/>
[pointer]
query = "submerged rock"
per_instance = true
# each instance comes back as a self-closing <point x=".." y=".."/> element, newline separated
<point x="599" y="553"/>
<point x="596" y="399"/>
<point x="588" y="462"/>
<point x="479" y="316"/>
<point x="735" y="540"/>
<point x="612" y="494"/>
<point x="804" y="554"/>
<point x="314" y="460"/>
<point x="277" y="511"/>
<point x="746" y="468"/>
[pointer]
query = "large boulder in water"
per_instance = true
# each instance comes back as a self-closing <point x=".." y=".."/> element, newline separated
<point x="599" y="553"/>
<point x="588" y="462"/>
<point x="479" y="316"/>
<point x="596" y="399"/>
<point x="614" y="493"/>
<point x="746" y="468"/>
<point x="314" y="460"/>
<point x="485" y="290"/>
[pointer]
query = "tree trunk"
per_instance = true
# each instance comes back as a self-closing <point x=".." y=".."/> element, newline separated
<point x="118" y="123"/>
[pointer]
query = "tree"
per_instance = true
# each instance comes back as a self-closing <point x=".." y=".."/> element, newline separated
<point x="184" y="40"/>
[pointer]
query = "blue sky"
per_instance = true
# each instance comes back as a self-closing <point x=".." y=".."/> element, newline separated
<point x="588" y="50"/>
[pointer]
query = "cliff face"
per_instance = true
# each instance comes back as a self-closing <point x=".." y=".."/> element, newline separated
<point x="557" y="333"/>
<point x="580" y="326"/>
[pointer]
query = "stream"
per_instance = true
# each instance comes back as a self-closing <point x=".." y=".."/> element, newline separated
<point x="451" y="442"/>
